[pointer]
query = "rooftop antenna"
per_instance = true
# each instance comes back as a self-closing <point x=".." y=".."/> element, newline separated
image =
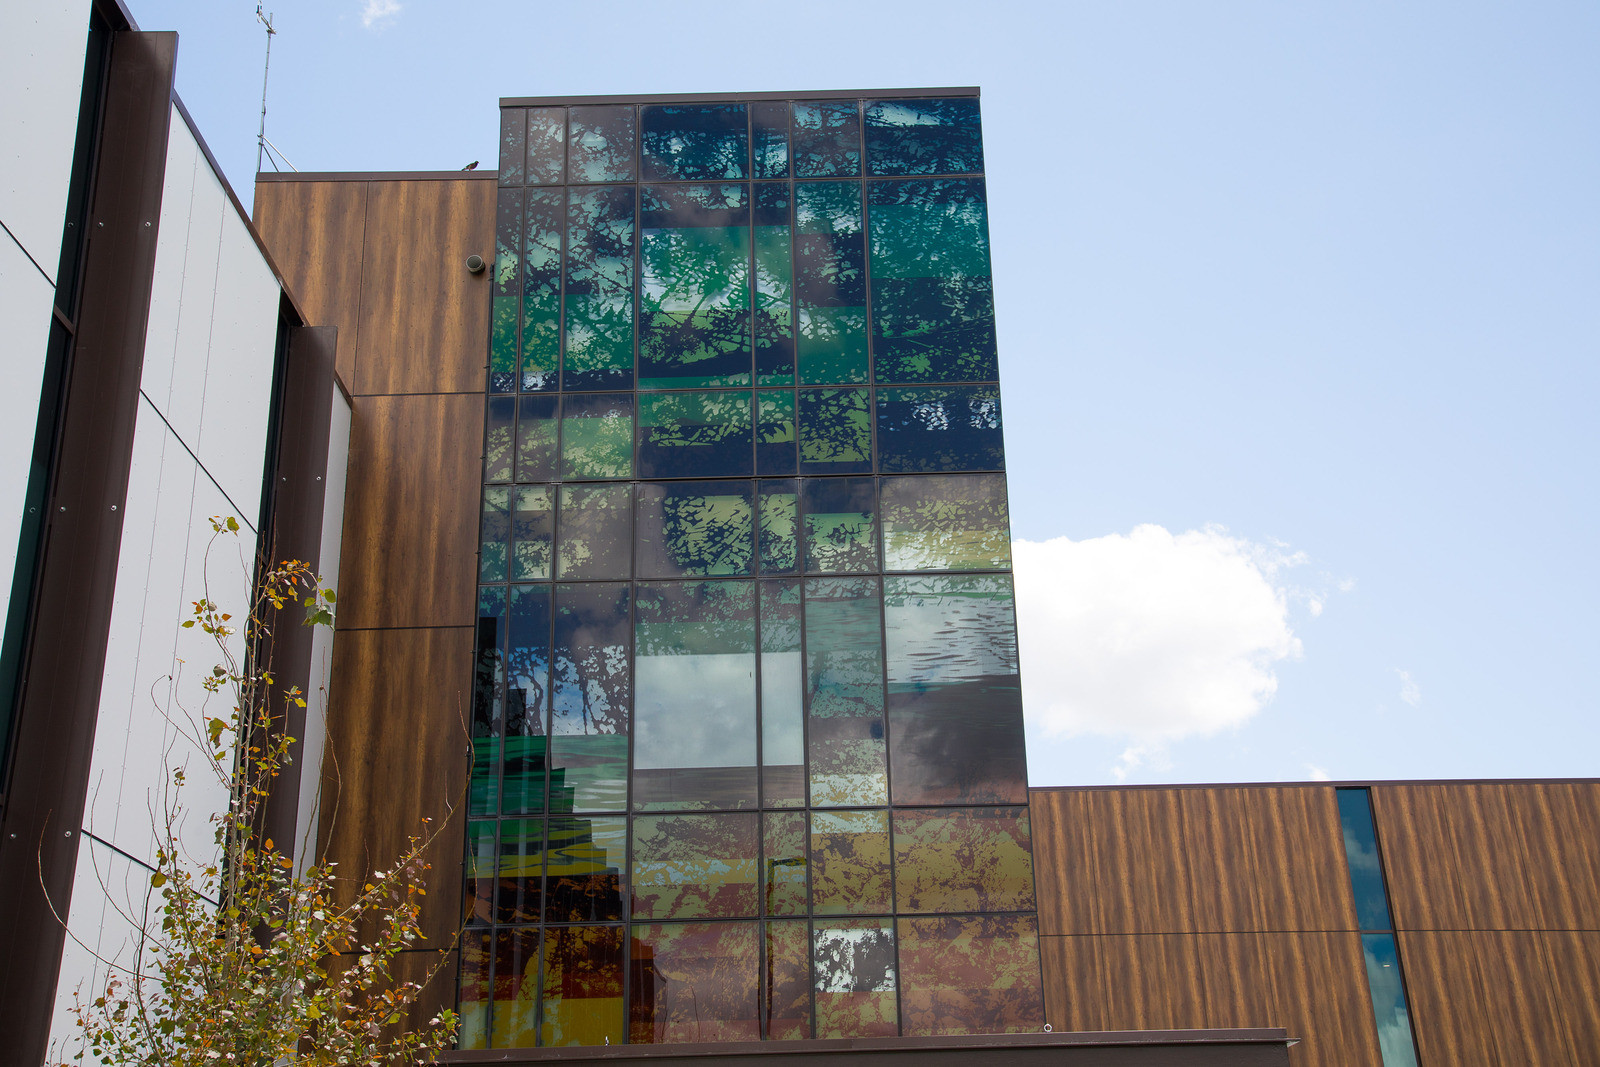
<point x="261" y="137"/>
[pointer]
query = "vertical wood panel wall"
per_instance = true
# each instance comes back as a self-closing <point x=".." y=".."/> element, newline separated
<point x="384" y="261"/>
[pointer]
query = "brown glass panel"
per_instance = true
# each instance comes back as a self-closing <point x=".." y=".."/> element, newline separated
<point x="516" y="988"/>
<point x="784" y="878"/>
<point x="963" y="859"/>
<point x="854" y="964"/>
<point x="786" y="1000"/>
<point x="970" y="975"/>
<point x="850" y="862"/>
<point x="694" y="866"/>
<point x="584" y="869"/>
<point x="582" y="993"/>
<point x="474" y="1003"/>
<point x="694" y="982"/>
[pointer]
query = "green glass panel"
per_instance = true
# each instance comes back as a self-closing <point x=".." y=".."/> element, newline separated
<point x="924" y="136"/>
<point x="694" y="982"/>
<point x="513" y="144"/>
<point x="588" y="773"/>
<point x="505" y="296"/>
<point x="693" y="142"/>
<point x="706" y="435"/>
<point x="830" y="282"/>
<point x="483" y="792"/>
<point x="516" y="988"/>
<point x="541" y="288"/>
<point x="783" y="836"/>
<point x="844" y="683"/>
<point x="827" y="140"/>
<point x="584" y="867"/>
<point x="932" y="298"/>
<point x="519" y="868"/>
<point x="786" y="985"/>
<point x="597" y="436"/>
<point x="537" y="427"/>
<point x="695" y="529"/>
<point x="774" y="314"/>
<point x="547" y="145"/>
<point x="962" y="859"/>
<point x="945" y="522"/>
<point x="581" y="996"/>
<point x="495" y="533"/>
<point x="498" y="419"/>
<point x="694" y="286"/>
<point x="532" y="527"/>
<point x="780" y="526"/>
<point x="596" y="531"/>
<point x="769" y="130"/>
<point x="602" y="144"/>
<point x="478" y="894"/>
<point x="975" y="974"/>
<point x="522" y="787"/>
<point x="835" y="432"/>
<point x="695" y="696"/>
<point x="840" y="533"/>
<point x="776" y="438"/>
<point x="854" y="978"/>
<point x="474" y="990"/>
<point x="783" y="744"/>
<point x="592" y="689"/>
<point x="850" y="862"/>
<point x="601" y="230"/>
<point x="939" y="428"/>
<point x="694" y="866"/>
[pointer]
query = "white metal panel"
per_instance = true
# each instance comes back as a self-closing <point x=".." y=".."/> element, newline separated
<point x="178" y="328"/>
<point x="42" y="46"/>
<point x="25" y="299"/>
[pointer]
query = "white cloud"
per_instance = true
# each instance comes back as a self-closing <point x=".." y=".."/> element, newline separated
<point x="374" y="11"/>
<point x="1410" y="692"/>
<point x="1151" y="636"/>
<point x="1318" y="774"/>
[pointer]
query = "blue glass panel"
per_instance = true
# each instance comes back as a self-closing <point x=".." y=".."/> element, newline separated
<point x="774" y="316"/>
<point x="777" y="441"/>
<point x="835" y="432"/>
<point x="693" y="142"/>
<point x="592" y="685"/>
<point x="783" y="742"/>
<point x="598" y="352"/>
<point x="695" y="696"/>
<point x="505" y="298"/>
<point x="1361" y="850"/>
<point x="840" y="532"/>
<point x="780" y="526"/>
<point x="695" y="529"/>
<point x="694" y="286"/>
<point x="955" y="705"/>
<point x="924" y="136"/>
<point x="1388" y="999"/>
<point x="827" y="140"/>
<point x="513" y="144"/>
<point x="830" y="283"/>
<point x="769" y="125"/>
<point x="949" y="428"/>
<point x="547" y="145"/>
<point x="543" y="225"/>
<point x="602" y="144"/>
<point x="844" y="688"/>
<point x="696" y="434"/>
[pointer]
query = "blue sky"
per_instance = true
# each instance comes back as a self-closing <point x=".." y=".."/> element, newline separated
<point x="1299" y="317"/>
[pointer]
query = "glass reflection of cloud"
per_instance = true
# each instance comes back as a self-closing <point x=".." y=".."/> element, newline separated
<point x="695" y="711"/>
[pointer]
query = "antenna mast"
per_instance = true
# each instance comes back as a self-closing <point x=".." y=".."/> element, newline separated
<point x="261" y="137"/>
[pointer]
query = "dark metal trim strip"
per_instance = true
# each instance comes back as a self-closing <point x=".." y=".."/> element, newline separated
<point x="739" y="98"/>
<point x="380" y="176"/>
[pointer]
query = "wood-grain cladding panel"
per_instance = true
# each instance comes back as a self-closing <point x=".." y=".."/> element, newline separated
<point x="1491" y="856"/>
<point x="424" y="318"/>
<point x="397" y="752"/>
<point x="316" y="232"/>
<point x="411" y="512"/>
<point x="1190" y="860"/>
<point x="1313" y="984"/>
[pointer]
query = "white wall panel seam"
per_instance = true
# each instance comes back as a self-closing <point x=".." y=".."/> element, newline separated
<point x="250" y="523"/>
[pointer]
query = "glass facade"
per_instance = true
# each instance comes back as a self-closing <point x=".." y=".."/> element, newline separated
<point x="748" y="753"/>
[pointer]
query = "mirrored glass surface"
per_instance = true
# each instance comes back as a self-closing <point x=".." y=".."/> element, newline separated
<point x="544" y="223"/>
<point x="584" y="866"/>
<point x="855" y="978"/>
<point x="836" y="432"/>
<point x="784" y="873"/>
<point x="695" y="696"/>
<point x="516" y="988"/>
<point x="694" y="866"/>
<point x="474" y="990"/>
<point x="840" y="531"/>
<point x="830" y="279"/>
<point x="483" y="789"/>
<point x="844" y="683"/>
<point x="581" y="995"/>
<point x="547" y="145"/>
<point x="962" y="859"/>
<point x="519" y="870"/>
<point x="774" y="319"/>
<point x="536" y="438"/>
<point x="494" y="535"/>
<point x="694" y="982"/>
<point x="489" y="674"/>
<point x="596" y="531"/>
<point x="527" y="699"/>
<point x="505" y="296"/>
<point x="592" y="691"/>
<point x="694" y="286"/>
<point x="481" y="870"/>
<point x="783" y="743"/>
<point x="513" y="144"/>
<point x="1361" y="852"/>
<point x="598" y="352"/>
<point x="522" y="785"/>
<point x="693" y="142"/>
<point x="697" y="434"/>
<point x="780" y="526"/>
<point x="850" y="862"/>
<point x="777" y="442"/>
<point x="786" y="983"/>
<point x="597" y="436"/>
<point x="975" y="974"/>
<point x="945" y="522"/>
<point x="532" y="529"/>
<point x="696" y="529"/>
<point x="1388" y="1000"/>
<point x="827" y="139"/>
<point x="589" y="773"/>
<point x="948" y="428"/>
<point x="769" y="128"/>
<point x="924" y="136"/>
<point x="499" y="418"/>
<point x="602" y="144"/>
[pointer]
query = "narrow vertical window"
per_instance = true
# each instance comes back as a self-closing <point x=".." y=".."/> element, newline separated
<point x="1382" y="956"/>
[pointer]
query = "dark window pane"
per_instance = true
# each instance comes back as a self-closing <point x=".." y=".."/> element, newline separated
<point x="581" y="993"/>
<point x="592" y="689"/>
<point x="783" y="743"/>
<point x="695" y="696"/>
<point x="783" y="889"/>
<point x="694" y="982"/>
<point x="474" y="1005"/>
<point x="513" y="143"/>
<point x="1388" y="998"/>
<point x="694" y="866"/>
<point x="1361" y="851"/>
<point x="945" y="522"/>
<point x="541" y="288"/>
<point x="596" y="531"/>
<point x="835" y="432"/>
<point x="532" y="528"/>
<point x="776" y="439"/>
<point x="839" y="530"/>
<point x="827" y="140"/>
<point x="547" y="145"/>
<point x="780" y="526"/>
<point x="584" y="869"/>
<point x="597" y="436"/>
<point x="693" y="142"/>
<point x="786" y="983"/>
<point x="955" y="706"/>
<point x="498" y="419"/>
<point x="527" y="699"/>
<point x="696" y="529"/>
<point x="506" y="297"/>
<point x="481" y="871"/>
<point x="774" y="321"/>
<point x="844" y="682"/>
<point x="932" y="298"/>
<point x="601" y="144"/>
<point x="850" y="862"/>
<point x="516" y="1011"/>
<point x="830" y="283"/>
<point x="953" y="428"/>
<point x="599" y="302"/>
<point x="924" y="137"/>
<point x="770" y="128"/>
<point x="520" y="870"/>
<point x="536" y="438"/>
<point x="970" y="975"/>
<point x="494" y="533"/>
<point x="694" y="286"/>
<point x="854" y="961"/>
<point x="695" y="434"/>
<point x="962" y="859"/>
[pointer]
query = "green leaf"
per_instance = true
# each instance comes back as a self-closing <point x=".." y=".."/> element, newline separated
<point x="233" y="525"/>
<point x="158" y="880"/>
